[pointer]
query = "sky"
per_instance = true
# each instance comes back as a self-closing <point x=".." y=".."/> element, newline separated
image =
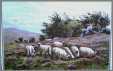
<point x="29" y="16"/>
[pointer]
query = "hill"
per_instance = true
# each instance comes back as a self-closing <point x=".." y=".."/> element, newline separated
<point x="10" y="34"/>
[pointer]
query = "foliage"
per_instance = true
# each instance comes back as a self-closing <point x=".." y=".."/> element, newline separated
<point x="60" y="27"/>
<point x="20" y="39"/>
<point x="98" y="20"/>
<point x="42" y="37"/>
<point x="32" y="39"/>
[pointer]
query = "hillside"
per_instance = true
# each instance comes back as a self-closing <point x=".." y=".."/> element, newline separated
<point x="99" y="42"/>
<point x="10" y="34"/>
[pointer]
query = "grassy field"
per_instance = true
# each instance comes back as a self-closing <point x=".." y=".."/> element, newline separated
<point x="16" y="59"/>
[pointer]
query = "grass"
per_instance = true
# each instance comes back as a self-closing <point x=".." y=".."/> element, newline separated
<point x="20" y="63"/>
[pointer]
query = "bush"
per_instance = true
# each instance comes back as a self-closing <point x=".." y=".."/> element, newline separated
<point x="20" y="39"/>
<point x="42" y="37"/>
<point x="31" y="40"/>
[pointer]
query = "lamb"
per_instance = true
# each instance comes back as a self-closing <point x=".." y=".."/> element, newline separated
<point x="60" y="53"/>
<point x="57" y="44"/>
<point x="75" y="51"/>
<point x="30" y="50"/>
<point x="86" y="52"/>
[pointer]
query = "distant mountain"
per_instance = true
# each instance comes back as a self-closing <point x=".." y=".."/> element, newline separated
<point x="10" y="34"/>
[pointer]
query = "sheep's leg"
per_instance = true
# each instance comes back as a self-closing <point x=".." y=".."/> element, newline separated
<point x="45" y="54"/>
<point x="40" y="52"/>
<point x="27" y="52"/>
<point x="30" y="52"/>
<point x="52" y="53"/>
<point x="59" y="57"/>
<point x="56" y="56"/>
<point x="33" y="52"/>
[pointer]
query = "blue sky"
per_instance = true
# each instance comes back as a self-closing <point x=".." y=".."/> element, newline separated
<point x="29" y="16"/>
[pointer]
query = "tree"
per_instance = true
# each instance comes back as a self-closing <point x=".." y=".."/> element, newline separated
<point x="55" y="28"/>
<point x="42" y="37"/>
<point x="98" y="20"/>
<point x="61" y="27"/>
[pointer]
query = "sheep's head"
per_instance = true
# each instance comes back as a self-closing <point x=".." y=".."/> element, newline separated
<point x="39" y="44"/>
<point x="76" y="51"/>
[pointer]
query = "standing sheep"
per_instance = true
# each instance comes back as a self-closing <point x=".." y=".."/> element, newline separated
<point x="44" y="49"/>
<point x="30" y="50"/>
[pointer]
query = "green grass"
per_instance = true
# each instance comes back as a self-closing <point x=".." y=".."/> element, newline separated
<point x="13" y="63"/>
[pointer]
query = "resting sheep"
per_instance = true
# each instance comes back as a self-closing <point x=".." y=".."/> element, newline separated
<point x="75" y="51"/>
<point x="57" y="44"/>
<point x="60" y="53"/>
<point x="86" y="52"/>
<point x="68" y="51"/>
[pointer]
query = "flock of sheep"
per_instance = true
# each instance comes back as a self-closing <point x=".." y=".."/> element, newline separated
<point x="60" y="50"/>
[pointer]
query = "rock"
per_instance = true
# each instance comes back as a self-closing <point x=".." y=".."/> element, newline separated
<point x="71" y="66"/>
<point x="45" y="60"/>
<point x="20" y="51"/>
<point x="47" y="64"/>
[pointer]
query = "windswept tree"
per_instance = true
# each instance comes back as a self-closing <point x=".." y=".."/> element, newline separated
<point x="55" y="28"/>
<point x="61" y="27"/>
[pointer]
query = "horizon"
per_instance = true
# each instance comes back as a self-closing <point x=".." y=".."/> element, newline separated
<point x="30" y="16"/>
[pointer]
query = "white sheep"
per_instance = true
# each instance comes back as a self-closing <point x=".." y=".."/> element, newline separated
<point x="48" y="40"/>
<point x="44" y="49"/>
<point x="68" y="51"/>
<point x="57" y="44"/>
<point x="30" y="50"/>
<point x="86" y="52"/>
<point x="75" y="51"/>
<point x="60" y="53"/>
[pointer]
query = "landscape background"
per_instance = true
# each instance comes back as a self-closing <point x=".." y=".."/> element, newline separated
<point x="27" y="19"/>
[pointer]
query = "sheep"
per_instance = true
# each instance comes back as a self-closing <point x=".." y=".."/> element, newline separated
<point x="45" y="49"/>
<point x="60" y="53"/>
<point x="48" y="40"/>
<point x="30" y="50"/>
<point x="86" y="52"/>
<point x="75" y="51"/>
<point x="68" y="51"/>
<point x="57" y="44"/>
